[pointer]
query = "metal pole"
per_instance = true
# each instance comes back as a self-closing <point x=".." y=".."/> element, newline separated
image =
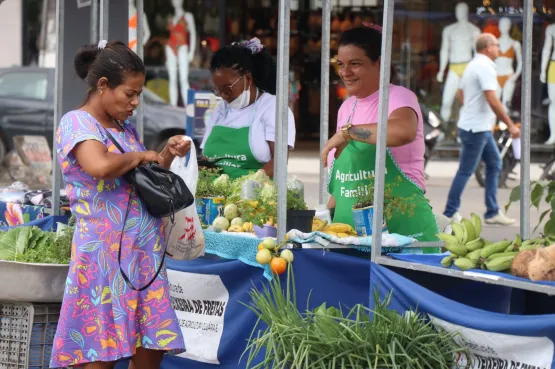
<point x="282" y="117"/>
<point x="526" y="104"/>
<point x="385" y="73"/>
<point x="104" y="19"/>
<point x="222" y="12"/>
<point x="324" y="95"/>
<point x="140" y="52"/>
<point x="59" y="73"/>
<point x="94" y="22"/>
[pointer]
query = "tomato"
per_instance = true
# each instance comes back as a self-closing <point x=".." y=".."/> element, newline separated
<point x="278" y="265"/>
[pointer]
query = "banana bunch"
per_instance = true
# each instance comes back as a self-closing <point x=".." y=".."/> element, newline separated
<point x="339" y="230"/>
<point x="469" y="251"/>
<point x="318" y="224"/>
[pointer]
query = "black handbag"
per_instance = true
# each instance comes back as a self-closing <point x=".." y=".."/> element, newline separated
<point x="163" y="192"/>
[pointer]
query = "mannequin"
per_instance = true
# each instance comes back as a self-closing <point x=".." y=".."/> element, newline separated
<point x="457" y="48"/>
<point x="133" y="27"/>
<point x="548" y="76"/>
<point x="180" y="51"/>
<point x="509" y="52"/>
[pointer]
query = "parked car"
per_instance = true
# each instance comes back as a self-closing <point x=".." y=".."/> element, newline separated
<point x="27" y="108"/>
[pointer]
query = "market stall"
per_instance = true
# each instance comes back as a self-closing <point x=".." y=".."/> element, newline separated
<point x="249" y="244"/>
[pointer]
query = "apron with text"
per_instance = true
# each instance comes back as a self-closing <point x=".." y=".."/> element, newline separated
<point x="229" y="148"/>
<point x="353" y="171"/>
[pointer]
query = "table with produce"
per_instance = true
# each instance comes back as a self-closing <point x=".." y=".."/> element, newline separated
<point x="313" y="303"/>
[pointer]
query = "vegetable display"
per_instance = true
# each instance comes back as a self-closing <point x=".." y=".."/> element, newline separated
<point x="32" y="245"/>
<point x="331" y="338"/>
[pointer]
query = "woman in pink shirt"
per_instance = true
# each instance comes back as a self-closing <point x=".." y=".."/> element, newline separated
<point x="351" y="152"/>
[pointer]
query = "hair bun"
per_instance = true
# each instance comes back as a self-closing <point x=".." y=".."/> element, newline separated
<point x="84" y="58"/>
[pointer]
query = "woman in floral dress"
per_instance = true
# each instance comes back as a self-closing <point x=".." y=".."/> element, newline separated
<point x="102" y="319"/>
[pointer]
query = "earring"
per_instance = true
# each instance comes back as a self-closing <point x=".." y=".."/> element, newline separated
<point x="101" y="91"/>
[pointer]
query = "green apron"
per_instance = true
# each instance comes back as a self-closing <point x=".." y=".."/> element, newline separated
<point x="354" y="170"/>
<point x="229" y="148"/>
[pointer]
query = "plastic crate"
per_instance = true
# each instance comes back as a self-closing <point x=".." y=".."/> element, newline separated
<point x="27" y="334"/>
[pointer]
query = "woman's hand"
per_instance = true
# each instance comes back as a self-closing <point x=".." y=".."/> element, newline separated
<point x="337" y="142"/>
<point x="178" y="146"/>
<point x="151" y="157"/>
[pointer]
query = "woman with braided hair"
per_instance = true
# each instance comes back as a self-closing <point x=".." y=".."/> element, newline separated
<point x="240" y="133"/>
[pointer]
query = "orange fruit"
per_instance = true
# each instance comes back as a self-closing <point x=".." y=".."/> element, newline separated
<point x="278" y="265"/>
<point x="260" y="246"/>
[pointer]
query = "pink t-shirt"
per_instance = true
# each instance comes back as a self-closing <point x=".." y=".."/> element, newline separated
<point x="410" y="157"/>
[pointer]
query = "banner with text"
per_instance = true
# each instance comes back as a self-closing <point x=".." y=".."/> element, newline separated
<point x="494" y="340"/>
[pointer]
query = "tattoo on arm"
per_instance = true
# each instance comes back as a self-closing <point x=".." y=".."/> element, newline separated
<point x="361" y="133"/>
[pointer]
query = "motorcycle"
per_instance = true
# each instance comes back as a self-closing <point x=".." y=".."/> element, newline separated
<point x="433" y="133"/>
<point x="506" y="151"/>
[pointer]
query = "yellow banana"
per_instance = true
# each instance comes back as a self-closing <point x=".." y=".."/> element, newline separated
<point x="342" y="235"/>
<point x="331" y="233"/>
<point x="318" y="225"/>
<point x="248" y="227"/>
<point x="470" y="230"/>
<point x="340" y="228"/>
<point x="477" y="222"/>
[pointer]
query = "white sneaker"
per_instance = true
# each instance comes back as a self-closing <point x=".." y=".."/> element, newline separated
<point x="500" y="219"/>
<point x="456" y="218"/>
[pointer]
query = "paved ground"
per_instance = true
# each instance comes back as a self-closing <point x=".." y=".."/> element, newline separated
<point x="304" y="164"/>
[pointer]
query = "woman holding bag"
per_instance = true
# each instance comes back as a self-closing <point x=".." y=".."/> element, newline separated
<point x="102" y="319"/>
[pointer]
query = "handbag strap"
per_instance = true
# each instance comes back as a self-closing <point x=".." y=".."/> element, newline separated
<point x="125" y="277"/>
<point x="116" y="144"/>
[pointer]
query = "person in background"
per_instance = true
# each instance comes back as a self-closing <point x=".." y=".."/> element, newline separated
<point x="240" y="132"/>
<point x="102" y="320"/>
<point x="480" y="108"/>
<point x="351" y="152"/>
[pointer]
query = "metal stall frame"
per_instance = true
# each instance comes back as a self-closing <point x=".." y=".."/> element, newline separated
<point x="377" y="256"/>
<point x="98" y="31"/>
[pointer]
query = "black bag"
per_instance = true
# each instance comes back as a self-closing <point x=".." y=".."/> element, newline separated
<point x="164" y="194"/>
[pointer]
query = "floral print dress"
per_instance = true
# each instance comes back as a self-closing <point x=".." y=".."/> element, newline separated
<point x="102" y="319"/>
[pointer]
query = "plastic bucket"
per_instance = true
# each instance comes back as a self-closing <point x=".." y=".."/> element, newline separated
<point x="363" y="219"/>
<point x="209" y="208"/>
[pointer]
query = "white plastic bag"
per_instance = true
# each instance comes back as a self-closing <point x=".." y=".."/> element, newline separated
<point x="185" y="238"/>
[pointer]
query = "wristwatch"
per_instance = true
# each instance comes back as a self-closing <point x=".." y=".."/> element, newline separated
<point x="345" y="130"/>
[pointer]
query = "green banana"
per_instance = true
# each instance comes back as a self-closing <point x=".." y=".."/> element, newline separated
<point x="494" y="248"/>
<point x="458" y="231"/>
<point x="512" y="247"/>
<point x="447" y="238"/>
<point x="475" y="245"/>
<point x="474" y="255"/>
<point x="465" y="264"/>
<point x="447" y="261"/>
<point x="477" y="222"/>
<point x="529" y="247"/>
<point x="518" y="240"/>
<point x="502" y="254"/>
<point x="487" y="243"/>
<point x="526" y="243"/>
<point x="499" y="264"/>
<point x="470" y="230"/>
<point x="483" y="266"/>
<point x="456" y="249"/>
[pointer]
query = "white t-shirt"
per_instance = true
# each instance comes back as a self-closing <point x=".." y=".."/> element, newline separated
<point x="480" y="75"/>
<point x="261" y="116"/>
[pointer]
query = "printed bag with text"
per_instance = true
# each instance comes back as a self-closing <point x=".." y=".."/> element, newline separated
<point x="185" y="238"/>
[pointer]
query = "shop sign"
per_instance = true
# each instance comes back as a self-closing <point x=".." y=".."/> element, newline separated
<point x="205" y="102"/>
<point x="489" y="350"/>
<point x="200" y="302"/>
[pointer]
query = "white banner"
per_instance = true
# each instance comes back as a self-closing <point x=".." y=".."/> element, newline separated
<point x="200" y="301"/>
<point x="499" y="351"/>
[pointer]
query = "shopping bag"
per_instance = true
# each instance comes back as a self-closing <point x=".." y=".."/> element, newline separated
<point x="185" y="239"/>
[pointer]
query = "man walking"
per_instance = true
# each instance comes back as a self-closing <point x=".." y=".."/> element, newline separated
<point x="481" y="107"/>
